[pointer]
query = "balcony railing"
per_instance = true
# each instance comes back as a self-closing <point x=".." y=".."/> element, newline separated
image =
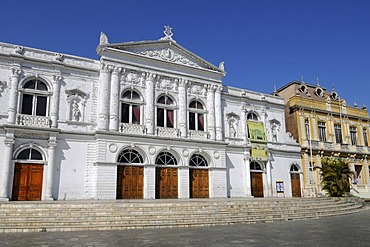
<point x="132" y="128"/>
<point x="328" y="145"/>
<point x="168" y="132"/>
<point x="33" y="121"/>
<point x="198" y="135"/>
<point x="345" y="146"/>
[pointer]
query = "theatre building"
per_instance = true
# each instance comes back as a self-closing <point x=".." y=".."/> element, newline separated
<point x="147" y="120"/>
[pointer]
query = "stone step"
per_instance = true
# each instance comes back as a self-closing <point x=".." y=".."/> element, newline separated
<point x="65" y="216"/>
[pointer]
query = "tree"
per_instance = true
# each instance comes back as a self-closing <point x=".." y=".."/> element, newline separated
<point x="335" y="174"/>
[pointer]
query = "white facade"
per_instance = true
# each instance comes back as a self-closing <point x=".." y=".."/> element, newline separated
<point x="149" y="104"/>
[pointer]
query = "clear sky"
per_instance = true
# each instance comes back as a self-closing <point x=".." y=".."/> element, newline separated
<point x="263" y="42"/>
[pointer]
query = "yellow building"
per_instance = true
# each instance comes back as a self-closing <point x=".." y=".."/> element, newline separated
<point x="325" y="126"/>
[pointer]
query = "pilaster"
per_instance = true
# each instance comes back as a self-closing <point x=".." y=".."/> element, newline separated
<point x="114" y="99"/>
<point x="103" y="96"/>
<point x="54" y="104"/>
<point x="211" y="111"/>
<point x="183" y="107"/>
<point x="218" y="114"/>
<point x="52" y="144"/>
<point x="6" y="167"/>
<point x="13" y="97"/>
<point x="149" y="107"/>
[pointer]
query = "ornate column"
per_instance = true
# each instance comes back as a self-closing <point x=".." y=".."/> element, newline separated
<point x="13" y="97"/>
<point x="314" y="126"/>
<point x="114" y="99"/>
<point x="51" y="167"/>
<point x="103" y="96"/>
<point x="183" y="123"/>
<point x="247" y="173"/>
<point x="268" y="175"/>
<point x="149" y="107"/>
<point x="54" y="104"/>
<point x="211" y="111"/>
<point x="218" y="114"/>
<point x="6" y="166"/>
<point x="303" y="126"/>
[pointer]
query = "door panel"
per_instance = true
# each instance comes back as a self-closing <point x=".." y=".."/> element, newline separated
<point x="166" y="183"/>
<point x="199" y="183"/>
<point x="27" y="184"/>
<point x="257" y="184"/>
<point x="296" y="184"/>
<point x="130" y="182"/>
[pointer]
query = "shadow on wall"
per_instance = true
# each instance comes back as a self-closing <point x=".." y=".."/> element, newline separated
<point x="59" y="156"/>
<point x="229" y="165"/>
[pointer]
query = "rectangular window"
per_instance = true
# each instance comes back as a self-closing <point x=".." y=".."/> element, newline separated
<point x="191" y="120"/>
<point x="366" y="143"/>
<point x="160" y="117"/>
<point x="322" y="131"/>
<point x="136" y="114"/>
<point x="170" y="118"/>
<point x="125" y="113"/>
<point x="41" y="105"/>
<point x="27" y="104"/>
<point x="307" y="127"/>
<point x="353" y="134"/>
<point x="338" y="133"/>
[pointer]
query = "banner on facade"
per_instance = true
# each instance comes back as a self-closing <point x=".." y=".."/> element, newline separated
<point x="259" y="151"/>
<point x="258" y="140"/>
<point x="256" y="132"/>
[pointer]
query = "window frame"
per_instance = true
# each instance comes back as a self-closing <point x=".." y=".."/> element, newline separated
<point x="338" y="133"/>
<point x="35" y="98"/>
<point x="131" y="104"/>
<point x="197" y="113"/>
<point x="166" y="108"/>
<point x="353" y="135"/>
<point x="321" y="125"/>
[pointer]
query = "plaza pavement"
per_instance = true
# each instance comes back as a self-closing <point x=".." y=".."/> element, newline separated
<point x="348" y="230"/>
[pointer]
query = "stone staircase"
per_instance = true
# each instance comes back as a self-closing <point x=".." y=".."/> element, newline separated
<point x="130" y="214"/>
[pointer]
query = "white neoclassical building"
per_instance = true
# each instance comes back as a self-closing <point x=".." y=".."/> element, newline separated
<point x="148" y="120"/>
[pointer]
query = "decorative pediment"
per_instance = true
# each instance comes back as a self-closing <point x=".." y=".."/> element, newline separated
<point x="166" y="50"/>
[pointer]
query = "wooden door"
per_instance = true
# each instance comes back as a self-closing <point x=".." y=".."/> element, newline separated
<point x="130" y="182"/>
<point x="27" y="184"/>
<point x="257" y="184"/>
<point x="166" y="183"/>
<point x="296" y="184"/>
<point x="199" y="183"/>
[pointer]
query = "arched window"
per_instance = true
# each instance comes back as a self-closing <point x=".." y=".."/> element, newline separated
<point x="252" y="116"/>
<point x="198" y="160"/>
<point x="165" y="112"/>
<point x="196" y="116"/>
<point x="131" y="107"/>
<point x="29" y="154"/>
<point x="255" y="166"/>
<point x="35" y="98"/>
<point x="294" y="168"/>
<point x="130" y="156"/>
<point x="166" y="158"/>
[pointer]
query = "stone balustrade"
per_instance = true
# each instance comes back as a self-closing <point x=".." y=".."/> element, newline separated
<point x="132" y="128"/>
<point x="168" y="132"/>
<point x="33" y="121"/>
<point x="198" y="135"/>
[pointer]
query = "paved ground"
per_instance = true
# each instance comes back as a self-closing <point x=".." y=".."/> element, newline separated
<point x="348" y="230"/>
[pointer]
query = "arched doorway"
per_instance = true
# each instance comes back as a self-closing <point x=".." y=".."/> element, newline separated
<point x="198" y="175"/>
<point x="28" y="176"/>
<point x="256" y="179"/>
<point x="295" y="181"/>
<point x="130" y="177"/>
<point x="166" y="183"/>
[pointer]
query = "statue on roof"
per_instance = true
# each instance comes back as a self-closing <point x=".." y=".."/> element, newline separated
<point x="168" y="33"/>
<point x="103" y="39"/>
<point x="221" y="66"/>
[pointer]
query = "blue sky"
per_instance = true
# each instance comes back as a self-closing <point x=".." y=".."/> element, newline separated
<point x="263" y="42"/>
